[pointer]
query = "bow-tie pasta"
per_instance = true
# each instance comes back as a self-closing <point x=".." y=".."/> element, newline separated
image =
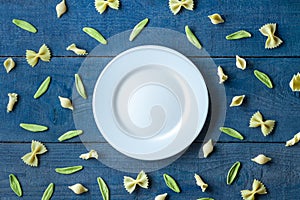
<point x="175" y="5"/>
<point x="269" y="31"/>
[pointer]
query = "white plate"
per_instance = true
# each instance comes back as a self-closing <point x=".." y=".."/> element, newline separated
<point x="150" y="102"/>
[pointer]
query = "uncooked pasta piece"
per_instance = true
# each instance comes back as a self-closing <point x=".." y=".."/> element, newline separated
<point x="77" y="51"/>
<point x="48" y="192"/>
<point x="37" y="148"/>
<point x="205" y="198"/>
<point x="238" y="35"/>
<point x="237" y="100"/>
<point x="240" y="62"/>
<point x="264" y="78"/>
<point x="293" y="141"/>
<point x="103" y="188"/>
<point x="200" y="182"/>
<point x="295" y="82"/>
<point x="32" y="57"/>
<point x="192" y="38"/>
<point x="33" y="127"/>
<point x="69" y="170"/>
<point x="161" y="196"/>
<point x="138" y="28"/>
<point x="43" y="88"/>
<point x="78" y="188"/>
<point x="101" y="5"/>
<point x="91" y="154"/>
<point x="141" y="180"/>
<point x="207" y="148"/>
<point x="175" y="5"/>
<point x="231" y="132"/>
<point x="15" y="185"/>
<point x="69" y="135"/>
<point x="233" y="172"/>
<point x="95" y="34"/>
<point x="266" y="126"/>
<point x="222" y="76"/>
<point x="65" y="103"/>
<point x="13" y="98"/>
<point x="61" y="8"/>
<point x="171" y="183"/>
<point x="272" y="40"/>
<point x="261" y="159"/>
<point x="216" y="18"/>
<point x="80" y="87"/>
<point x="24" y="25"/>
<point x="9" y="64"/>
<point x="257" y="188"/>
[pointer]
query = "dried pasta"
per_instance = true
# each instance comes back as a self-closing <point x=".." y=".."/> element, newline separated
<point x="141" y="180"/>
<point x="31" y="158"/>
<point x="257" y="188"/>
<point x="175" y="5"/>
<point x="32" y="57"/>
<point x="269" y="31"/>
<point x="216" y="18"/>
<point x="101" y="5"/>
<point x="9" y="64"/>
<point x="161" y="196"/>
<point x="237" y="100"/>
<point x="76" y="50"/>
<point x="293" y="141"/>
<point x="200" y="182"/>
<point x="78" y="188"/>
<point x="61" y="8"/>
<point x="65" y="103"/>
<point x="91" y="154"/>
<point x="13" y="98"/>
<point x="266" y="126"/>
<point x="261" y="159"/>
<point x="240" y="62"/>
<point x="207" y="148"/>
<point x="222" y="76"/>
<point x="295" y="82"/>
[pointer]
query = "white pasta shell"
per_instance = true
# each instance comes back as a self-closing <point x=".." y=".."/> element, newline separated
<point x="293" y="141"/>
<point x="61" y="8"/>
<point x="216" y="18"/>
<point x="237" y="100"/>
<point x="78" y="188"/>
<point x="9" y="64"/>
<point x="207" y="148"/>
<point x="161" y="196"/>
<point x="65" y="103"/>
<point x="222" y="76"/>
<point x="13" y="98"/>
<point x="240" y="62"/>
<point x="200" y="182"/>
<point x="295" y="82"/>
<point x="261" y="159"/>
<point x="91" y="154"/>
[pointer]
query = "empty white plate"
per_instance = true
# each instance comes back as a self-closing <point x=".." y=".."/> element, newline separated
<point x="150" y="102"/>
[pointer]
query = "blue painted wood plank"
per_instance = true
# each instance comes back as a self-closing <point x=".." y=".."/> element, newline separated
<point x="280" y="103"/>
<point x="281" y="175"/>
<point x="59" y="33"/>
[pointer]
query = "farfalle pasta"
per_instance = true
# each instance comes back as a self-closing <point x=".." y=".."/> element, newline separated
<point x="257" y="188"/>
<point x="32" y="57"/>
<point x="31" y="158"/>
<point x="101" y="5"/>
<point x="272" y="40"/>
<point x="175" y="5"/>
<point x="266" y="126"/>
<point x="141" y="180"/>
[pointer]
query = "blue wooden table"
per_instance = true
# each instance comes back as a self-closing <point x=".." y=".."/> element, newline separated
<point x="281" y="176"/>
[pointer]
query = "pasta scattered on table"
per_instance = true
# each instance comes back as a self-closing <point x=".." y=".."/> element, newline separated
<point x="240" y="62"/>
<point x="200" y="182"/>
<point x="78" y="188"/>
<point x="61" y="8"/>
<point x="175" y="5"/>
<point x="13" y="98"/>
<point x="37" y="148"/>
<point x="9" y="64"/>
<point x="65" y="103"/>
<point x="237" y="100"/>
<point x="76" y="50"/>
<point x="266" y="126"/>
<point x="261" y="159"/>
<point x="222" y="76"/>
<point x="272" y="40"/>
<point x="141" y="180"/>
<point x="295" y="82"/>
<point x="216" y="18"/>
<point x="91" y="154"/>
<point x="293" y="141"/>
<point x="101" y="5"/>
<point x="257" y="188"/>
<point x="32" y="57"/>
<point x="207" y="148"/>
<point x="161" y="196"/>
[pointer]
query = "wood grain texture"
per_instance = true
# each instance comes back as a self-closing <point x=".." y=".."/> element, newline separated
<point x="213" y="170"/>
<point x="59" y="33"/>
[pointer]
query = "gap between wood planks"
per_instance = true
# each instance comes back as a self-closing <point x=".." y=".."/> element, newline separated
<point x="187" y="56"/>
